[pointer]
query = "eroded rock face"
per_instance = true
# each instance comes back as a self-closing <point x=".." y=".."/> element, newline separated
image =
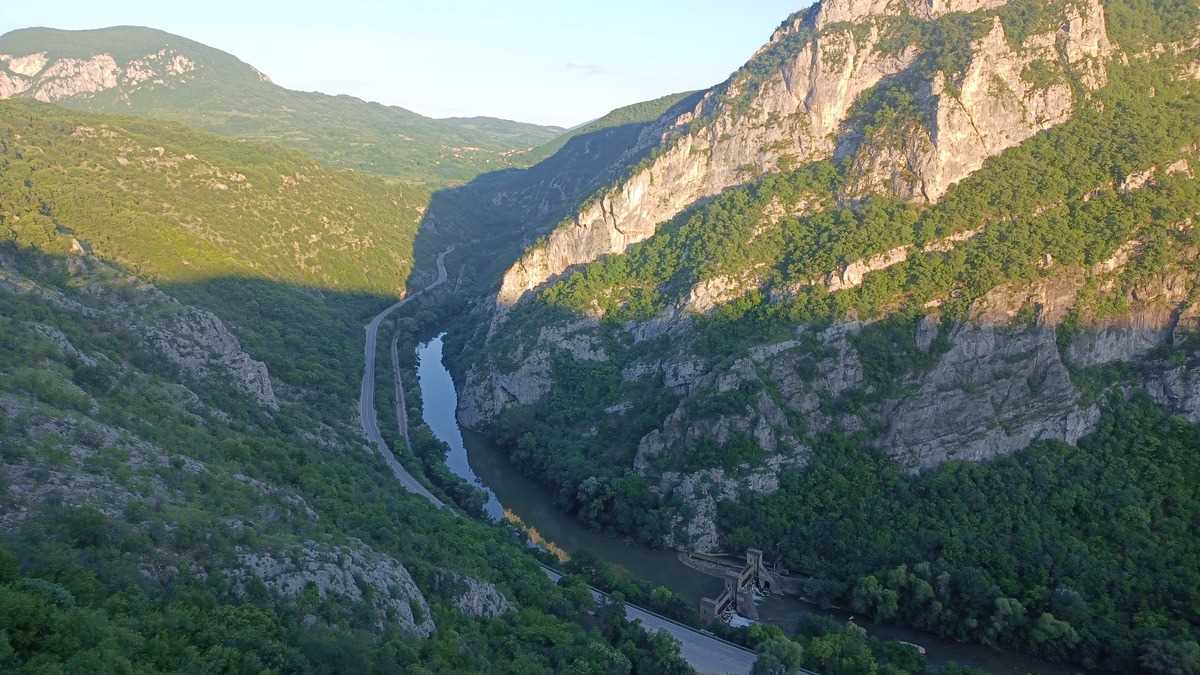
<point x="1005" y="95"/>
<point x="487" y="393"/>
<point x="72" y="77"/>
<point x="194" y="339"/>
<point x="1002" y="381"/>
<point x="708" y="295"/>
<point x="199" y="342"/>
<point x="53" y="80"/>
<point x="1178" y="389"/>
<point x="792" y="115"/>
<point x="994" y="393"/>
<point x="829" y="58"/>
<point x="12" y="85"/>
<point x="839" y="11"/>
<point x="28" y="65"/>
<point x="996" y="383"/>
<point x="490" y="389"/>
<point x="1132" y="335"/>
<point x="356" y="574"/>
<point x="474" y="598"/>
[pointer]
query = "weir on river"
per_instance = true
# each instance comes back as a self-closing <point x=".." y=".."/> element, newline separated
<point x="513" y="496"/>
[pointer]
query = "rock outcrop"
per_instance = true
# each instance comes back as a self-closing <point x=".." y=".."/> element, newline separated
<point x="1004" y="379"/>
<point x="1005" y="95"/>
<point x="52" y="80"/>
<point x="988" y="386"/>
<point x="997" y="389"/>
<point x="196" y="340"/>
<point x="200" y="343"/>
<point x="474" y="598"/>
<point x="356" y="574"/>
<point x="491" y="389"/>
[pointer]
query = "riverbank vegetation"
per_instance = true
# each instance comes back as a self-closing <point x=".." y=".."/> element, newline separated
<point x="821" y="644"/>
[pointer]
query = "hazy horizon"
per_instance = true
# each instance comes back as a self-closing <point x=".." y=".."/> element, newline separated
<point x="538" y="61"/>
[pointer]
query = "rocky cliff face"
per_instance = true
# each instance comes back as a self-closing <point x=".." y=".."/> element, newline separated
<point x="1026" y="363"/>
<point x="1005" y="95"/>
<point x="195" y="340"/>
<point x="993" y="384"/>
<point x="799" y="97"/>
<point x="55" y="79"/>
<point x="357" y="574"/>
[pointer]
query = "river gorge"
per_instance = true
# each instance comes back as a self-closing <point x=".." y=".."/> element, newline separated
<point x="513" y="496"/>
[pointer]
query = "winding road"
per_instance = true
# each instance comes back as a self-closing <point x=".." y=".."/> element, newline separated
<point x="707" y="654"/>
<point x="366" y="395"/>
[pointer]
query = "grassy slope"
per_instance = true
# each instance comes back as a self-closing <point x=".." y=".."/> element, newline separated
<point x="179" y="205"/>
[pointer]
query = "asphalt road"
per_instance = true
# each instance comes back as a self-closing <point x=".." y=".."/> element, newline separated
<point x="366" y="396"/>
<point x="708" y="654"/>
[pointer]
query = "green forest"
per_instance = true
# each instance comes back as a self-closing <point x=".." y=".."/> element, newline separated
<point x="1086" y="554"/>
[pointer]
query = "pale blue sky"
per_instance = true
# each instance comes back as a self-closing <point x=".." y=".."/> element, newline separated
<point x="546" y="61"/>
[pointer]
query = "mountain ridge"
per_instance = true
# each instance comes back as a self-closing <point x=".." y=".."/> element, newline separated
<point x="145" y="71"/>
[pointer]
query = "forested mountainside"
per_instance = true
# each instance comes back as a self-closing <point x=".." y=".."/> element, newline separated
<point x="141" y="71"/>
<point x="183" y="484"/>
<point x="909" y="303"/>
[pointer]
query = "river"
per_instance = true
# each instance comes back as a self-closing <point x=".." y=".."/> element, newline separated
<point x="512" y="495"/>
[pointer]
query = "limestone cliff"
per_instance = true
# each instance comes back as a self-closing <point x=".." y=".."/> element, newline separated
<point x="355" y="573"/>
<point x="1024" y="361"/>
<point x="800" y="99"/>
<point x="195" y="340"/>
<point x="51" y="80"/>
<point x="997" y="382"/>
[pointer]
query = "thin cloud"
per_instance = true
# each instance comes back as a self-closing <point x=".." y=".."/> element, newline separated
<point x="587" y="69"/>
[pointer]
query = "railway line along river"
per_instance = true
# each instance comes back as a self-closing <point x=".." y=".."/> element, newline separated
<point x="511" y="494"/>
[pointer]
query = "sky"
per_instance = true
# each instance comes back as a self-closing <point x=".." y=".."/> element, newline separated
<point x="550" y="62"/>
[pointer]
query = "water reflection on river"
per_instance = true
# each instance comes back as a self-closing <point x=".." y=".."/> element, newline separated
<point x="475" y="459"/>
<point x="439" y="403"/>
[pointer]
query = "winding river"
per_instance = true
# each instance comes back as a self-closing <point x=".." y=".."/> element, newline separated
<point x="512" y="495"/>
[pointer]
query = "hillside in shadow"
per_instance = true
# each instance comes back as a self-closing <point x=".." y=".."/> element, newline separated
<point x="493" y="218"/>
<point x="152" y="508"/>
